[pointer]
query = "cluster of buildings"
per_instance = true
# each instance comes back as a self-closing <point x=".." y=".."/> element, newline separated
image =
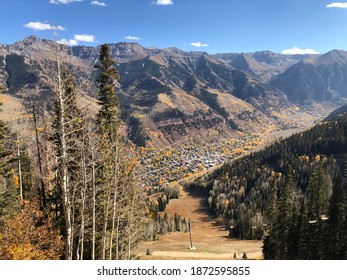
<point x="160" y="167"/>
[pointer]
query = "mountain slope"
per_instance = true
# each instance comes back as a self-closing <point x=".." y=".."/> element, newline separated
<point x="167" y="95"/>
<point x="320" y="79"/>
<point x="264" y="65"/>
<point x="337" y="113"/>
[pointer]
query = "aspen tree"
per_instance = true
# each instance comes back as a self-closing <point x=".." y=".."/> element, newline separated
<point x="66" y="126"/>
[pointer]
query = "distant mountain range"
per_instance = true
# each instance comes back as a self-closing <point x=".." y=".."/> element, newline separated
<point x="323" y="78"/>
<point x="168" y="95"/>
<point x="264" y="65"/>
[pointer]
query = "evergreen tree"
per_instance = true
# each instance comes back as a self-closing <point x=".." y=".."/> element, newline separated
<point x="317" y="193"/>
<point x="109" y="113"/>
<point x="303" y="232"/>
<point x="294" y="233"/>
<point x="119" y="196"/>
<point x="285" y="215"/>
<point x="334" y="230"/>
<point x="271" y="212"/>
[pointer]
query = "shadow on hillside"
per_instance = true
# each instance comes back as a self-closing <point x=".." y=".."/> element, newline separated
<point x="202" y="196"/>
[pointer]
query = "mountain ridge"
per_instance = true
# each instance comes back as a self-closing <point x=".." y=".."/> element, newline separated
<point x="322" y="79"/>
<point x="167" y="95"/>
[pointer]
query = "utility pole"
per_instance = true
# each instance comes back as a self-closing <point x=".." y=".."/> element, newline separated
<point x="190" y="236"/>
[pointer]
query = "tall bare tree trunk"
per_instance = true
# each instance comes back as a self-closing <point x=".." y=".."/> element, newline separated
<point x="42" y="190"/>
<point x="115" y="201"/>
<point x="63" y="161"/>
<point x="93" y="204"/>
<point x="104" y="232"/>
<point x="19" y="168"/>
<point x="81" y="241"/>
<point x="117" y="239"/>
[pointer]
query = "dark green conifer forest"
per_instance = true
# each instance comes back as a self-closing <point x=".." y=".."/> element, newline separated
<point x="292" y="194"/>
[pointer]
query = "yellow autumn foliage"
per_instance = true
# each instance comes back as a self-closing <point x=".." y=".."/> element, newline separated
<point x="29" y="235"/>
<point x="16" y="181"/>
<point x="226" y="203"/>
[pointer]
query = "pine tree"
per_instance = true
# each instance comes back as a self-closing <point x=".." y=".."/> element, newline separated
<point x="271" y="213"/>
<point x="317" y="193"/>
<point x="334" y="230"/>
<point x="293" y="234"/>
<point x="119" y="196"/>
<point x="303" y="232"/>
<point x="270" y="244"/>
<point x="109" y="113"/>
<point x="317" y="207"/>
<point x="285" y="216"/>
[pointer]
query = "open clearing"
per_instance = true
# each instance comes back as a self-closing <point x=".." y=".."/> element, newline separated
<point x="210" y="239"/>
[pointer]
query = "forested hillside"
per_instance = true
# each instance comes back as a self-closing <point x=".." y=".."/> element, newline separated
<point x="72" y="193"/>
<point x="293" y="192"/>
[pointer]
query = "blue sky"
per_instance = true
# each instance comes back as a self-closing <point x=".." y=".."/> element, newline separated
<point x="289" y="26"/>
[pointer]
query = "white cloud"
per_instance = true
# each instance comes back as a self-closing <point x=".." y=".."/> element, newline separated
<point x="337" y="5"/>
<point x="84" y="38"/>
<point x="198" y="45"/>
<point x="297" y="50"/>
<point x="68" y="42"/>
<point x="63" y="1"/>
<point x="97" y="3"/>
<point x="78" y="38"/>
<point x="42" y="26"/>
<point x="163" y="2"/>
<point x="132" y="37"/>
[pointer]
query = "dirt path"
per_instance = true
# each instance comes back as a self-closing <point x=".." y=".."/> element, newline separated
<point x="210" y="240"/>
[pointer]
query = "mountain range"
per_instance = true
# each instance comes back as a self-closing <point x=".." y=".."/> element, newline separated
<point x="170" y="96"/>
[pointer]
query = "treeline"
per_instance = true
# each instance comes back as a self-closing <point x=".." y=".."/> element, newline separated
<point x="158" y="220"/>
<point x="83" y="194"/>
<point x="241" y="191"/>
<point x="165" y="224"/>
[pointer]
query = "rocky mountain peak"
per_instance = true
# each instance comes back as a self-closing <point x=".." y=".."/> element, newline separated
<point x="28" y="41"/>
<point x="334" y="56"/>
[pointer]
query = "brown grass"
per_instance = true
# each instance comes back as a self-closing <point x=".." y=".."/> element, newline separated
<point x="210" y="239"/>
